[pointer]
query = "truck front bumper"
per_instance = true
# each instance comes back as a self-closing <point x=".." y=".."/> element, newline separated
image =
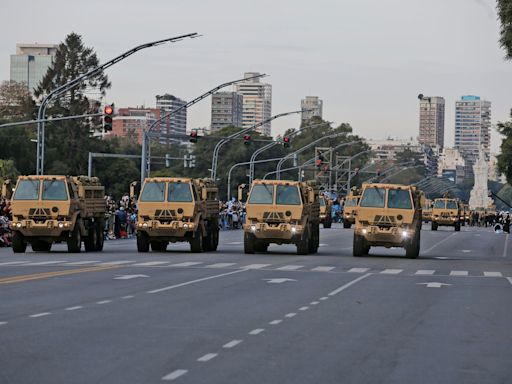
<point x="155" y="228"/>
<point x="283" y="231"/>
<point x="386" y="237"/>
<point x="47" y="228"/>
<point x="445" y="221"/>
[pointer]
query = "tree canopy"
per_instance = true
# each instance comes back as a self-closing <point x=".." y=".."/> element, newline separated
<point x="505" y="16"/>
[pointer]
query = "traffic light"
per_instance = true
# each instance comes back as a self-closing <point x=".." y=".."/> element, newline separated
<point x="108" y="113"/>
<point x="247" y="139"/>
<point x="286" y="141"/>
<point x="193" y="136"/>
<point x="318" y="163"/>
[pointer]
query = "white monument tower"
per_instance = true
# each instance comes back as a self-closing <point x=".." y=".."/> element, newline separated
<point x="479" y="194"/>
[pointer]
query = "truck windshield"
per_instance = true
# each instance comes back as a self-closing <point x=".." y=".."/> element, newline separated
<point x="451" y="204"/>
<point x="287" y="195"/>
<point x="179" y="192"/>
<point x="27" y="190"/>
<point x="373" y="197"/>
<point x="439" y="204"/>
<point x="262" y="194"/>
<point x="153" y="192"/>
<point x="399" y="199"/>
<point x="352" y="202"/>
<point x="54" y="190"/>
<point x="322" y="202"/>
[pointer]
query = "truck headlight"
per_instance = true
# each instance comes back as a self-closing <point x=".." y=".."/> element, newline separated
<point x="405" y="234"/>
<point x="253" y="228"/>
<point x="364" y="231"/>
<point x="61" y="225"/>
<point x="185" y="226"/>
<point x="18" y="225"/>
<point x="145" y="225"/>
<point x="294" y="229"/>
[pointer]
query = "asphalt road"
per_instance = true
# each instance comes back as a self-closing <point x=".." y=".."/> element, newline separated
<point x="226" y="317"/>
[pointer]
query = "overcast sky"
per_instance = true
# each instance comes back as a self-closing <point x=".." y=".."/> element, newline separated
<point x="367" y="59"/>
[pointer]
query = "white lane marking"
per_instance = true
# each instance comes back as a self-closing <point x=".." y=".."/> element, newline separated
<point x="150" y="263"/>
<point x="434" y="284"/>
<point x="439" y="243"/>
<point x="186" y="264"/>
<point x="506" y="245"/>
<point x="235" y="243"/>
<point x="256" y="331"/>
<point x="323" y="269"/>
<point x="425" y="272"/>
<point x="231" y="344"/>
<point x="305" y="308"/>
<point x="255" y="266"/>
<point x="290" y="315"/>
<point x="466" y="250"/>
<point x="83" y="262"/>
<point x="129" y="277"/>
<point x="127" y="297"/>
<point x="103" y="302"/>
<point x="14" y="262"/>
<point x="493" y="274"/>
<point x="3" y="322"/>
<point x="358" y="270"/>
<point x="458" y="273"/>
<point x="220" y="265"/>
<point x="324" y="298"/>
<point x="207" y="357"/>
<point x="73" y="308"/>
<point x="278" y="280"/>
<point x="509" y="279"/>
<point x="391" y="271"/>
<point x="195" y="281"/>
<point x="117" y="262"/>
<point x="345" y="286"/>
<point x="323" y="245"/>
<point x="290" y="267"/>
<point x="41" y="314"/>
<point x="174" y="375"/>
<point x="275" y="322"/>
<point x="48" y="262"/>
<point x="314" y="303"/>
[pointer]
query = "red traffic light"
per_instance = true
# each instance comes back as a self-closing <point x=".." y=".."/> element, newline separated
<point x="247" y="139"/>
<point x="109" y="110"/>
<point x="286" y="141"/>
<point x="318" y="162"/>
<point x="193" y="136"/>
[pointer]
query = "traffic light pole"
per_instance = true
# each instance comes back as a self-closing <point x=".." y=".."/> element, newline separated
<point x="73" y="83"/>
<point x="217" y="148"/>
<point x="49" y="120"/>
<point x="145" y="166"/>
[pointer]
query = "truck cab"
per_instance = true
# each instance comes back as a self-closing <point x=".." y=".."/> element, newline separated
<point x="447" y="212"/>
<point x="325" y="211"/>
<point x="350" y="210"/>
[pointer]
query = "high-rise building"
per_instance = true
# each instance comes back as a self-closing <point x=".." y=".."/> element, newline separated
<point x="31" y="62"/>
<point x="432" y="121"/>
<point x="314" y="106"/>
<point x="257" y="102"/>
<point x="472" y="129"/>
<point x="227" y="110"/>
<point x="176" y="123"/>
<point x="133" y="121"/>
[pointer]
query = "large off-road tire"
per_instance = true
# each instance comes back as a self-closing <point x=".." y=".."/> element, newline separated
<point x="434" y="226"/>
<point x="412" y="249"/>
<point x="208" y="239"/>
<point x="327" y="224"/>
<point x="91" y="241"/>
<point x="74" y="241"/>
<point x="346" y="224"/>
<point x="19" y="245"/>
<point x="314" y="242"/>
<point x="159" y="246"/>
<point x="196" y="242"/>
<point x="358" y="246"/>
<point x="249" y="241"/>
<point x="303" y="244"/>
<point x="41" y="246"/>
<point x="215" y="233"/>
<point x="142" y="242"/>
<point x="100" y="239"/>
<point x="457" y="226"/>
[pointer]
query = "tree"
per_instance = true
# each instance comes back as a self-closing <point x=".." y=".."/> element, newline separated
<point x="7" y="170"/>
<point x="72" y="140"/>
<point x="505" y="16"/>
<point x="505" y="157"/>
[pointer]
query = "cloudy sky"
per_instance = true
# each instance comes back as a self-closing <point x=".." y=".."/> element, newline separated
<point x="367" y="59"/>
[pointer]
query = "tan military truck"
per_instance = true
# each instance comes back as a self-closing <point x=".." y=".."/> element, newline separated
<point x="177" y="209"/>
<point x="282" y="212"/>
<point x="48" y="209"/>
<point x="388" y="215"/>
<point x="325" y="211"/>
<point x="350" y="210"/>
<point x="447" y="212"/>
<point x="426" y="207"/>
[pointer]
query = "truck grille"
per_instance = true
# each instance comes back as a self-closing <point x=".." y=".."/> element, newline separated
<point x="165" y="214"/>
<point x="384" y="221"/>
<point x="39" y="213"/>
<point x="273" y="217"/>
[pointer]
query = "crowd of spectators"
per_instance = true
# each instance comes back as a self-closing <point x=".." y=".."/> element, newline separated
<point x="5" y="218"/>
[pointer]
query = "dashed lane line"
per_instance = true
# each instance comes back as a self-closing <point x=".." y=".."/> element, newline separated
<point x="118" y="262"/>
<point x="150" y="263"/>
<point x="232" y="344"/>
<point x="314" y="303"/>
<point x="127" y="297"/>
<point x="509" y="279"/>
<point x="103" y="302"/>
<point x="207" y="357"/>
<point x="40" y="314"/>
<point x="256" y="331"/>
<point x="290" y="315"/>
<point x="256" y="266"/>
<point x="493" y="274"/>
<point x="324" y="298"/>
<point x="458" y="273"/>
<point x="275" y="322"/>
<point x="175" y="374"/>
<point x="439" y="243"/>
<point x="14" y="263"/>
<point x="220" y="265"/>
<point x="358" y="270"/>
<point x="345" y="286"/>
<point x="46" y="275"/>
<point x="391" y="271"/>
<point x="305" y="308"/>
<point x="3" y="322"/>
<point x="290" y="267"/>
<point x="186" y="264"/>
<point x="425" y="272"/>
<point x="323" y="269"/>
<point x="48" y="262"/>
<point x="83" y="262"/>
<point x="73" y="308"/>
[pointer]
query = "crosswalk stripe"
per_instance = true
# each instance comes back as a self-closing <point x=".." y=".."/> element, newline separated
<point x="255" y="266"/>
<point x="14" y="262"/>
<point x="117" y="262"/>
<point x="458" y="273"/>
<point x="493" y="274"/>
<point x="358" y="270"/>
<point x="186" y="264"/>
<point x="150" y="263"/>
<point x="48" y="262"/>
<point x="391" y="271"/>
<point x="323" y="269"/>
<point x="83" y="262"/>
<point x="425" y="272"/>
<point x="290" y="267"/>
<point x="220" y="265"/>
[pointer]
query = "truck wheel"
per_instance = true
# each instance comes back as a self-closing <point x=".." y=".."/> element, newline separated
<point x="75" y="240"/>
<point x="434" y="226"/>
<point x="315" y="239"/>
<point x="215" y="234"/>
<point x="259" y="246"/>
<point x="412" y="250"/>
<point x="249" y="243"/>
<point x="91" y="241"/>
<point x="159" y="246"/>
<point x="327" y="224"/>
<point x="457" y="226"/>
<point x="99" y="236"/>
<point x="346" y="224"/>
<point x="142" y="242"/>
<point x="41" y="246"/>
<point x="196" y="243"/>
<point x="208" y="239"/>
<point x="358" y="247"/>
<point x="303" y="244"/>
<point x="19" y="244"/>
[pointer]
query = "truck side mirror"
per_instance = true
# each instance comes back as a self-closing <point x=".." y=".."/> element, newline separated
<point x="7" y="189"/>
<point x="241" y="188"/>
<point x="311" y="194"/>
<point x="133" y="194"/>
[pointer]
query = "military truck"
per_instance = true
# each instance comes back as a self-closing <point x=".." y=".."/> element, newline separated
<point x="178" y="209"/>
<point x="325" y="211"/>
<point x="447" y="212"/>
<point x="282" y="212"/>
<point x="48" y="209"/>
<point x="350" y="210"/>
<point x="388" y="215"/>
